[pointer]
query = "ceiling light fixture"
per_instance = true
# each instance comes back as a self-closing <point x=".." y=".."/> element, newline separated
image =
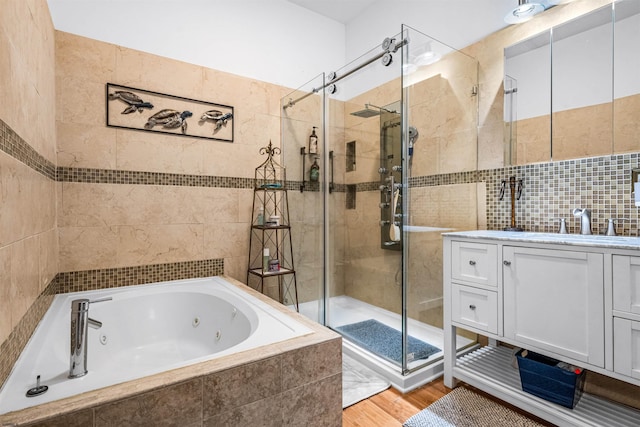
<point x="525" y="11"/>
<point x="425" y="55"/>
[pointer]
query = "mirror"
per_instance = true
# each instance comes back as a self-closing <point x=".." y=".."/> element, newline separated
<point x="582" y="86"/>
<point x="527" y="99"/>
<point x="573" y="91"/>
<point x="626" y="80"/>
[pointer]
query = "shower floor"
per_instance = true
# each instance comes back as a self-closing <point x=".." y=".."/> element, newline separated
<point x="344" y="310"/>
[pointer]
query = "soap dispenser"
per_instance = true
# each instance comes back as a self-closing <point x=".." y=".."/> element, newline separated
<point x="313" y="142"/>
<point x="314" y="173"/>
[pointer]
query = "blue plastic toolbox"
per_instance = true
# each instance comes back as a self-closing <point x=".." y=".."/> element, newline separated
<point x="550" y="379"/>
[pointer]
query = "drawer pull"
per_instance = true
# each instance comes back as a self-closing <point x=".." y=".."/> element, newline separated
<point x="472" y="262"/>
<point x="472" y="307"/>
<point x="507" y="263"/>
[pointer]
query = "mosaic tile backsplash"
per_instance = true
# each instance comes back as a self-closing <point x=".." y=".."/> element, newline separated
<point x="552" y="190"/>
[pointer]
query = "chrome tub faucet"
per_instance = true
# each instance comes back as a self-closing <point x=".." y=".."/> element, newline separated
<point x="80" y="321"/>
<point x="585" y="220"/>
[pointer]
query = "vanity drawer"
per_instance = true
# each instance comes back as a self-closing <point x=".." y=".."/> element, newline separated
<point x="626" y="283"/>
<point x="475" y="307"/>
<point x="626" y="347"/>
<point x="474" y="263"/>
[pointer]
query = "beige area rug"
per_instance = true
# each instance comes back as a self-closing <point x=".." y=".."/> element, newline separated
<point x="464" y="408"/>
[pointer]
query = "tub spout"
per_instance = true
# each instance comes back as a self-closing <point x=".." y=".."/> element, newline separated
<point x="585" y="220"/>
<point x="80" y="320"/>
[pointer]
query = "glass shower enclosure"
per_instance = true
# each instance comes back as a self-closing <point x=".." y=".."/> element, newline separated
<point x="397" y="140"/>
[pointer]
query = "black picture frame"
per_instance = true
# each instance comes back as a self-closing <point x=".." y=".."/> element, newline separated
<point x="132" y="108"/>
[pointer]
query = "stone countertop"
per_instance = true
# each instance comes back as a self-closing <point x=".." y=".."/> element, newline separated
<point x="596" y="241"/>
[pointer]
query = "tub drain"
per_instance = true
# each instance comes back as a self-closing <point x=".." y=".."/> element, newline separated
<point x="38" y="389"/>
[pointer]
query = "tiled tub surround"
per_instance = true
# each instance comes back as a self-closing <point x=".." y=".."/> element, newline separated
<point x="147" y="329"/>
<point x="295" y="382"/>
<point x="76" y="281"/>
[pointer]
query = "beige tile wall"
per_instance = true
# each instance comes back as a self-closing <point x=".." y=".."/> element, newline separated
<point x="28" y="239"/>
<point x="626" y="124"/>
<point x="106" y="225"/>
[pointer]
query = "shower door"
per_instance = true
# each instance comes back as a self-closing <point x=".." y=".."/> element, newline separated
<point x="302" y="113"/>
<point x="397" y="136"/>
<point x="365" y="218"/>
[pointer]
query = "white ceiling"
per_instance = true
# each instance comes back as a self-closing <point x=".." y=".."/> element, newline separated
<point x="345" y="10"/>
<point x="339" y="10"/>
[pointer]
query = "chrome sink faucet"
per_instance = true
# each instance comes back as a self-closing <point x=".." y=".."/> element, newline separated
<point x="80" y="320"/>
<point x="585" y="220"/>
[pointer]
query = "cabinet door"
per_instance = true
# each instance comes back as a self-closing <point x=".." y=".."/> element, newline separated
<point x="626" y="347"/>
<point x="626" y="283"/>
<point x="474" y="262"/>
<point x="554" y="300"/>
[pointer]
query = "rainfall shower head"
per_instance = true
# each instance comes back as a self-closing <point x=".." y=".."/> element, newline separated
<point x="368" y="112"/>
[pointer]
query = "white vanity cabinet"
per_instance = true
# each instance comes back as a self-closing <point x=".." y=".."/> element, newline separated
<point x="573" y="298"/>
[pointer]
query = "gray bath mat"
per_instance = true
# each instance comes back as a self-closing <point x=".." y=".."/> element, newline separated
<point x="464" y="408"/>
<point x="385" y="341"/>
<point x="359" y="382"/>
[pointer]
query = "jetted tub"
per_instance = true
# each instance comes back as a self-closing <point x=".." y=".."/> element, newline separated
<point x="146" y="329"/>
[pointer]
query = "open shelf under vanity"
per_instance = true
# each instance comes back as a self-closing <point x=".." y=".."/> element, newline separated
<point x="489" y="369"/>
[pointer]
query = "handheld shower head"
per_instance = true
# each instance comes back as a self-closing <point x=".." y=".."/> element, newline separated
<point x="413" y="136"/>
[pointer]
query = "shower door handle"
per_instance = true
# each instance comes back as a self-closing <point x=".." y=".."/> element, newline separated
<point x="303" y="153"/>
<point x="392" y="213"/>
<point x="331" y="184"/>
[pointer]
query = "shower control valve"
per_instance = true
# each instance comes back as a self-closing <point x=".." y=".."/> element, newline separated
<point x="397" y="168"/>
<point x="382" y="171"/>
<point x="384" y="222"/>
<point x="384" y="188"/>
<point x="384" y="205"/>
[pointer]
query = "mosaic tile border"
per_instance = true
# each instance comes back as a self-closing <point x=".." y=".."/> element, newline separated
<point x="12" y="347"/>
<point x="88" y="280"/>
<point x="12" y="144"/>
<point x="113" y="176"/>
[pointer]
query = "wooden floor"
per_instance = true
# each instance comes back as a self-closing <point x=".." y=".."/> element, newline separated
<point x="391" y="408"/>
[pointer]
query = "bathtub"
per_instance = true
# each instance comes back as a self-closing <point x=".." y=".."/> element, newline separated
<point x="146" y="329"/>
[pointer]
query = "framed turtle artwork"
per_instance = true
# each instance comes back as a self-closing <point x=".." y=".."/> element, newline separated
<point x="144" y="110"/>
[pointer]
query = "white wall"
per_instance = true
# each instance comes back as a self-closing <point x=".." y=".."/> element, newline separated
<point x="268" y="40"/>
<point x="457" y="23"/>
